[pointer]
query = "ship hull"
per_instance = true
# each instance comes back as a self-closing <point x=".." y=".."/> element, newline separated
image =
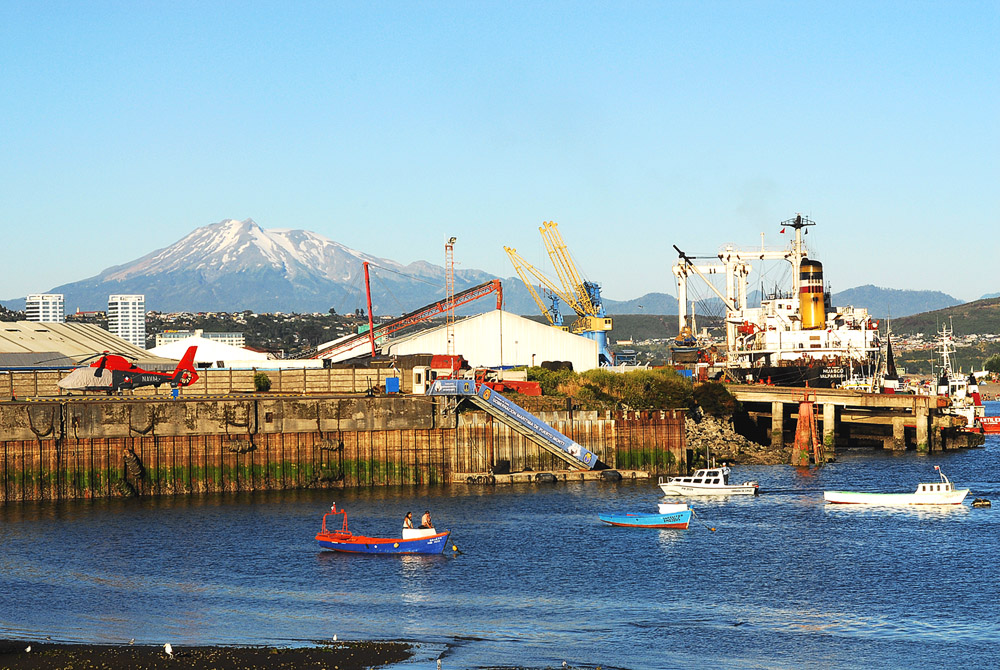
<point x="813" y="376"/>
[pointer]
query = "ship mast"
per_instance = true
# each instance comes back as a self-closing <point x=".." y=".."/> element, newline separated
<point x="798" y="223"/>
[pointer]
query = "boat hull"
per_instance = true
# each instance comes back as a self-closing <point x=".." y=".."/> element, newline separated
<point x="990" y="424"/>
<point x="817" y="375"/>
<point x="895" y="499"/>
<point x="697" y="490"/>
<point x="648" y="520"/>
<point x="360" y="544"/>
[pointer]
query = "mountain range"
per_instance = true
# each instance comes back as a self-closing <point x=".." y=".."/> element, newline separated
<point x="237" y="265"/>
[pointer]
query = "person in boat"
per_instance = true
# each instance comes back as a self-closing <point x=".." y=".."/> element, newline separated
<point x="408" y="520"/>
<point x="425" y="520"/>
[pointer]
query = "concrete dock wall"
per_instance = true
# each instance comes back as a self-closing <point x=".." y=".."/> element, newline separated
<point x="93" y="447"/>
<point x="44" y="383"/>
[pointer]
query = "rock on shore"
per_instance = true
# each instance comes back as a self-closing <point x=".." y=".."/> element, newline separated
<point x="725" y="444"/>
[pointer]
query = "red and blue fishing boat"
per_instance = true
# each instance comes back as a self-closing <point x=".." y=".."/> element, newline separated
<point x="668" y="515"/>
<point x="413" y="540"/>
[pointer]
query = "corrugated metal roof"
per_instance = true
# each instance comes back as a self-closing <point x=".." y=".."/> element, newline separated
<point x="73" y="340"/>
<point x="41" y="359"/>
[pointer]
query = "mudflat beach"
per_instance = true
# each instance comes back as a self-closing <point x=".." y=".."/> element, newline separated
<point x="334" y="656"/>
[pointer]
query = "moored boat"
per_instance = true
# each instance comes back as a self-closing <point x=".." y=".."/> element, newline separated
<point x="990" y="424"/>
<point x="942" y="492"/>
<point x="667" y="515"/>
<point x="708" y="482"/>
<point x="413" y="540"/>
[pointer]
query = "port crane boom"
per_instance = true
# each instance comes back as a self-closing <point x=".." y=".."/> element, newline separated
<point x="583" y="296"/>
<point x="523" y="269"/>
<point x="352" y="345"/>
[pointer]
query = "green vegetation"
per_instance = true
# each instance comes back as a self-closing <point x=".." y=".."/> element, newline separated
<point x="658" y="388"/>
<point x="992" y="364"/>
<point x="261" y="382"/>
<point x="714" y="399"/>
<point x="975" y="357"/>
<point x="977" y="317"/>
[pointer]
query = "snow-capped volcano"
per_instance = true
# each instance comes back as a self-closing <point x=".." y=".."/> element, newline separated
<point x="236" y="265"/>
<point x="232" y="246"/>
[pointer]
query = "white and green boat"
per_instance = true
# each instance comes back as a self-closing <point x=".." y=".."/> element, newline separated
<point x="934" y="493"/>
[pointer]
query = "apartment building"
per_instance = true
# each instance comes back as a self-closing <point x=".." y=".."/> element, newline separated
<point x="127" y="318"/>
<point x="45" y="307"/>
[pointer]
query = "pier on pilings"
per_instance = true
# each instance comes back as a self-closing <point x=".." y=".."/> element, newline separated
<point x="848" y="418"/>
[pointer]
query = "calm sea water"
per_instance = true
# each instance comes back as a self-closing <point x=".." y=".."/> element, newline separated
<point x="785" y="581"/>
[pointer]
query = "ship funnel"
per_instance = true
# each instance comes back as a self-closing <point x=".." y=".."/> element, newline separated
<point x="812" y="302"/>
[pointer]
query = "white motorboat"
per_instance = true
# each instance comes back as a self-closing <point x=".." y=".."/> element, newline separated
<point x="707" y="482"/>
<point x="935" y="493"/>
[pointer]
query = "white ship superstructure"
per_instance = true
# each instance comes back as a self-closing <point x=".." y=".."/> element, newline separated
<point x="795" y="331"/>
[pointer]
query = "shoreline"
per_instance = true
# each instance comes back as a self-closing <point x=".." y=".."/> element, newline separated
<point x="352" y="655"/>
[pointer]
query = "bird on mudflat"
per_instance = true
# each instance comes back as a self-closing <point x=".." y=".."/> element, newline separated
<point x="132" y="641"/>
<point x="168" y="650"/>
<point x="27" y="649"/>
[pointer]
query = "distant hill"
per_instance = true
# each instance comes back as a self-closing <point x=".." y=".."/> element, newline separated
<point x="889" y="302"/>
<point x="650" y="303"/>
<point x="979" y="316"/>
<point x="989" y="295"/>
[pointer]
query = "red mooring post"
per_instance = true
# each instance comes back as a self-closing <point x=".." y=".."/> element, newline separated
<point x="806" y="440"/>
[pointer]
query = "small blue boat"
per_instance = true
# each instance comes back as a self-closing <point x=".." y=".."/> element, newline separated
<point x="414" y="540"/>
<point x="668" y="515"/>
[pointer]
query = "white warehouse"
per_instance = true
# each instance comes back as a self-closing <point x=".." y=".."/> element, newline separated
<point x="500" y="338"/>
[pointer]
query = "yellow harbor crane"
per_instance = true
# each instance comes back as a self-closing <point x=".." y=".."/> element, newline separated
<point x="583" y="296"/>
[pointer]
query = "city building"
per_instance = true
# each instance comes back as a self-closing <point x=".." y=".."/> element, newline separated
<point x="232" y="339"/>
<point x="45" y="307"/>
<point x="127" y="318"/>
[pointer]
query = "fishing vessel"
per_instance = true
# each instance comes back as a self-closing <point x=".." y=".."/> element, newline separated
<point x="413" y="540"/>
<point x="942" y="492"/>
<point x="795" y="337"/>
<point x="961" y="391"/>
<point x="990" y="424"/>
<point x="708" y="482"/>
<point x="667" y="515"/>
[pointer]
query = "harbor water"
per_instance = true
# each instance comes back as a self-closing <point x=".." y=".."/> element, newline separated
<point x="784" y="580"/>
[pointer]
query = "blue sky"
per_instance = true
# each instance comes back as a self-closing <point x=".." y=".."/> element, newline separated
<point x="390" y="126"/>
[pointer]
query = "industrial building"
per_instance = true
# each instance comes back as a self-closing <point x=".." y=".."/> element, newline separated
<point x="232" y="339"/>
<point x="501" y="339"/>
<point x="215" y="354"/>
<point x="58" y="345"/>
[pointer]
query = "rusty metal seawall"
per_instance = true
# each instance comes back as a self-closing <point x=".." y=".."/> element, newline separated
<point x="97" y="447"/>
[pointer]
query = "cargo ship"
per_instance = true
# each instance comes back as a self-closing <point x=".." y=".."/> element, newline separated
<point x="795" y="337"/>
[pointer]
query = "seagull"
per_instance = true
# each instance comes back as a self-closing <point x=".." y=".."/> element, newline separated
<point x="168" y="650"/>
<point x="334" y="637"/>
<point x="132" y="641"/>
<point x="439" y="664"/>
<point x="27" y="649"/>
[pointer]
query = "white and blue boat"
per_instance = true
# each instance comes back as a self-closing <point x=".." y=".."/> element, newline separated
<point x="667" y="515"/>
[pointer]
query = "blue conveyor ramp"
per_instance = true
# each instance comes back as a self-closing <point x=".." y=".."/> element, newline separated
<point x="518" y="419"/>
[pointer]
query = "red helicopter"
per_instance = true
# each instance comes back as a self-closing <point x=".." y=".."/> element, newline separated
<point x="113" y="373"/>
